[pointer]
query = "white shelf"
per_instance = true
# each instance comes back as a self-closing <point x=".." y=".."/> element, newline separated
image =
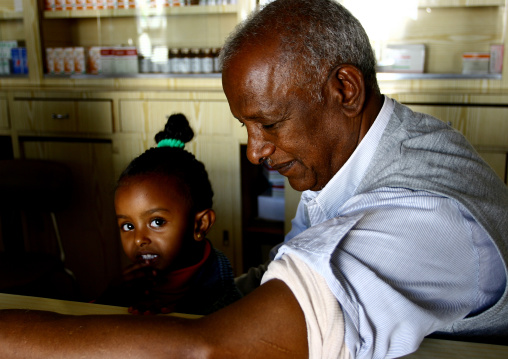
<point x="389" y="76"/>
<point x="126" y="76"/>
<point x="382" y="76"/>
<point x="143" y="11"/>
<point x="11" y="15"/>
<point x="459" y="3"/>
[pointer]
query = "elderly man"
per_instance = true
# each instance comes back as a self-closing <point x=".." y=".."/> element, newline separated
<point x="402" y="230"/>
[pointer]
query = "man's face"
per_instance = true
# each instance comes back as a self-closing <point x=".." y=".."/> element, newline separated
<point x="307" y="142"/>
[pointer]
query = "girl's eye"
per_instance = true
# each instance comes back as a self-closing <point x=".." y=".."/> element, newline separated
<point x="157" y="222"/>
<point x="127" y="227"/>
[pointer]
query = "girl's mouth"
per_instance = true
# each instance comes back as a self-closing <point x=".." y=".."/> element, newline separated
<point x="147" y="257"/>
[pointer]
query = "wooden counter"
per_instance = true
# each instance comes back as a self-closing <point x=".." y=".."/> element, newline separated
<point x="430" y="348"/>
<point x="10" y="301"/>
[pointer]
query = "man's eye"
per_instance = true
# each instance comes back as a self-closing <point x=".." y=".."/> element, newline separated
<point x="157" y="222"/>
<point x="267" y="127"/>
<point x="127" y="227"/>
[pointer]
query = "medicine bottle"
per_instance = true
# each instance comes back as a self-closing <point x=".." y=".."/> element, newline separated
<point x="185" y="61"/>
<point x="145" y="64"/>
<point x="215" y="54"/>
<point x="174" y="60"/>
<point x="195" y="61"/>
<point x="207" y="65"/>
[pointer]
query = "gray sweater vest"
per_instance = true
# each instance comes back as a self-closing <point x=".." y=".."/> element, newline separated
<point x="420" y="152"/>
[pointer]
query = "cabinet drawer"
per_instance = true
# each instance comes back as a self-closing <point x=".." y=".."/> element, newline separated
<point x="4" y="119"/>
<point x="62" y="116"/>
<point x="150" y="116"/>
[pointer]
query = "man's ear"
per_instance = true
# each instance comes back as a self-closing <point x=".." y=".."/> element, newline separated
<point x="203" y="221"/>
<point x="347" y="86"/>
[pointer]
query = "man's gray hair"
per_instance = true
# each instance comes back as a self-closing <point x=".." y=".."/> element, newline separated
<point x="315" y="37"/>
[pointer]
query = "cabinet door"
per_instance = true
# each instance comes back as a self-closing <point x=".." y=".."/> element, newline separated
<point x="221" y="158"/>
<point x="486" y="127"/>
<point x="88" y="228"/>
<point x="150" y="116"/>
<point x="4" y="119"/>
<point x="125" y="148"/>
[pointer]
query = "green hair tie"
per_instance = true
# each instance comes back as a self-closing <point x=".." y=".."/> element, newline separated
<point x="171" y="142"/>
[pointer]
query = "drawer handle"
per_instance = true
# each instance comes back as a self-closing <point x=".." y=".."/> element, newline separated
<point x="57" y="116"/>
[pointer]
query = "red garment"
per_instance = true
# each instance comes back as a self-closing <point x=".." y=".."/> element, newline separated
<point x="178" y="279"/>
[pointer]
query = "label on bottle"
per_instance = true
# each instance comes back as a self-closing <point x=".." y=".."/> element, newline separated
<point x="207" y="65"/>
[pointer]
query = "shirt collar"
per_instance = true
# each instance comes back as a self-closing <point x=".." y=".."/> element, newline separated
<point x="344" y="183"/>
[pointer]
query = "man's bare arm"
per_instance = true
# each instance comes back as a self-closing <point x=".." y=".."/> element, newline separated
<point x="268" y="323"/>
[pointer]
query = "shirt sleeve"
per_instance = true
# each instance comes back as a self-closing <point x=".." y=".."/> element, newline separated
<point x="323" y="316"/>
<point x="299" y="223"/>
<point x="400" y="264"/>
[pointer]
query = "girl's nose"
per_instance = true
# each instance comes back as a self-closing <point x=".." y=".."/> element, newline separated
<point x="142" y="240"/>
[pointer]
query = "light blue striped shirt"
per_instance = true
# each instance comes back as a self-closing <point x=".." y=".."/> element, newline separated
<point x="410" y="262"/>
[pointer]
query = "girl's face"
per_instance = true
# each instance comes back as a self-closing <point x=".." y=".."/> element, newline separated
<point x="154" y="218"/>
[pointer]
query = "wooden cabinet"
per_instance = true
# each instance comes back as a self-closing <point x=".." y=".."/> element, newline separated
<point x="447" y="29"/>
<point x="12" y="34"/>
<point x="4" y="117"/>
<point x="157" y="37"/>
<point x="150" y="28"/>
<point x="77" y="132"/>
<point x="88" y="227"/>
<point x="150" y="116"/>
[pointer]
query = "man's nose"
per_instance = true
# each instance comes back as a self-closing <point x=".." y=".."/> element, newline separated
<point x="258" y="148"/>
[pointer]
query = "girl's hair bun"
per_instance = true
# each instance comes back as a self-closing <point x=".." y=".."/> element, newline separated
<point x="177" y="128"/>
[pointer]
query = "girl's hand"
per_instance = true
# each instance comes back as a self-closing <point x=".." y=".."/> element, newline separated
<point x="145" y="289"/>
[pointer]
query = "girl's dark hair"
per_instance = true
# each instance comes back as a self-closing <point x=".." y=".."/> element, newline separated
<point x="175" y="162"/>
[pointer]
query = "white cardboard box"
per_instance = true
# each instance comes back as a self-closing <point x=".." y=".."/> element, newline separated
<point x="271" y="208"/>
<point x="403" y="58"/>
<point x="475" y="62"/>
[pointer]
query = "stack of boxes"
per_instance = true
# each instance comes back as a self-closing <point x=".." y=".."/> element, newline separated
<point x="94" y="60"/>
<point x="13" y="58"/>
<point x="65" y="60"/>
<point x="62" y="5"/>
<point x="271" y="203"/>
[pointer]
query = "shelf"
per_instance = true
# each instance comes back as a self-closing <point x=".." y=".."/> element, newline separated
<point x="167" y="11"/>
<point x="132" y="76"/>
<point x="14" y="76"/>
<point x="388" y="76"/>
<point x="459" y="3"/>
<point x="382" y="76"/>
<point x="11" y="15"/>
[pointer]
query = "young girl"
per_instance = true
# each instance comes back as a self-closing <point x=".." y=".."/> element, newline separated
<point x="163" y="203"/>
